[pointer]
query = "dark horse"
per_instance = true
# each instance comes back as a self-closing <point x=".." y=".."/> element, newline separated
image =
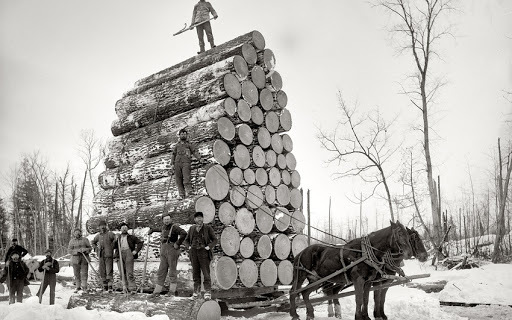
<point x="319" y="261"/>
<point x="379" y="296"/>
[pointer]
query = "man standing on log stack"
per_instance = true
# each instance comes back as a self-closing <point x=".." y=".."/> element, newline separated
<point x="172" y="237"/>
<point x="50" y="267"/>
<point x="201" y="13"/>
<point x="129" y="251"/>
<point x="200" y="240"/>
<point x="103" y="243"/>
<point x="79" y="248"/>
<point x="181" y="163"/>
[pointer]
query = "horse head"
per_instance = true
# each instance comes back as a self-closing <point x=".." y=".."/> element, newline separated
<point x="400" y="240"/>
<point x="418" y="249"/>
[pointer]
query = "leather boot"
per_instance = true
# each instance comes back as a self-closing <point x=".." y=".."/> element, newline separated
<point x="157" y="291"/>
<point x="212" y="45"/>
<point x="201" y="50"/>
<point x="172" y="289"/>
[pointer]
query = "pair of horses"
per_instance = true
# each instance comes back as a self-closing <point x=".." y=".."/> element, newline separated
<point x="366" y="261"/>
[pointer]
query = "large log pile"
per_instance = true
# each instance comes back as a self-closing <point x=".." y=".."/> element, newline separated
<point x="231" y="101"/>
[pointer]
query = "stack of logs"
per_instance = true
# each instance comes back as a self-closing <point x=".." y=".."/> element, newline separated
<point x="231" y="101"/>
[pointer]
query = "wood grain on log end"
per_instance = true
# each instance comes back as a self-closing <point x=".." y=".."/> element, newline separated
<point x="207" y="207"/>
<point x="264" y="219"/>
<point x="241" y="68"/>
<point x="258" y="40"/>
<point x="272" y="122"/>
<point x="244" y="221"/>
<point x="258" y="156"/>
<point x="274" y="81"/>
<point x="264" y="247"/>
<point x="295" y="179"/>
<point x="254" y="197"/>
<point x="227" y="213"/>
<point x="287" y="142"/>
<point x="224" y="272"/>
<point x="236" y="176"/>
<point x="286" y="177"/>
<point x="230" y="241"/>
<point x="280" y="99"/>
<point x="221" y="152"/>
<point x="209" y="310"/>
<point x="270" y="194"/>
<point x="217" y="182"/>
<point x="298" y="221"/>
<point x="296" y="198"/>
<point x="229" y="105"/>
<point x="246" y="248"/>
<point x="282" y="245"/>
<point x="245" y="134"/>
<point x="258" y="77"/>
<point x="268" y="272"/>
<point x="249" y="54"/>
<point x="261" y="175"/>
<point x="282" y="218"/>
<point x="267" y="60"/>
<point x="226" y="128"/>
<point x="285" y="272"/>
<point x="250" y="92"/>
<point x="249" y="176"/>
<point x="243" y="110"/>
<point x="277" y="143"/>
<point x="274" y="176"/>
<point x="285" y="120"/>
<point x="237" y="196"/>
<point x="291" y="162"/>
<point x="264" y="138"/>
<point x="232" y="86"/>
<point x="248" y="273"/>
<point x="242" y="156"/>
<point x="299" y="243"/>
<point x="257" y="116"/>
<point x="266" y="99"/>
<point x="281" y="161"/>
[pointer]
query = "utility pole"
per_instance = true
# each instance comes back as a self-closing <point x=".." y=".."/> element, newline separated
<point x="309" y="219"/>
<point x="361" y="215"/>
<point x="330" y="222"/>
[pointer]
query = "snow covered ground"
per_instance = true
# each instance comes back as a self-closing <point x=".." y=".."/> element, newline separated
<point x="489" y="284"/>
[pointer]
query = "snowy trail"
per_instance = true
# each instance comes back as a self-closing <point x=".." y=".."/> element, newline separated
<point x="487" y="284"/>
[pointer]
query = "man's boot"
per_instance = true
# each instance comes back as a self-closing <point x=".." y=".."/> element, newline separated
<point x="201" y="49"/>
<point x="157" y="291"/>
<point x="172" y="289"/>
<point x="212" y="44"/>
<point x="105" y="286"/>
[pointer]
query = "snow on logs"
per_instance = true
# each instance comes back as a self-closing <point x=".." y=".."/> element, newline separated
<point x="232" y="103"/>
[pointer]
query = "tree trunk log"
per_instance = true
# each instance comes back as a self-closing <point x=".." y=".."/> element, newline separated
<point x="291" y="162"/>
<point x="277" y="143"/>
<point x="261" y="176"/>
<point x="258" y="156"/>
<point x="227" y="213"/>
<point x="221" y="152"/>
<point x="286" y="177"/>
<point x="298" y="221"/>
<point x="243" y="110"/>
<point x="247" y="247"/>
<point x="236" y="176"/>
<point x="266" y="60"/>
<point x="267" y="99"/>
<point x="272" y="122"/>
<point x="271" y="158"/>
<point x="242" y="157"/>
<point x="229" y="106"/>
<point x="264" y="138"/>
<point x="285" y="120"/>
<point x="245" y="134"/>
<point x="244" y="221"/>
<point x="268" y="272"/>
<point x="287" y="142"/>
<point x="254" y="198"/>
<point x="237" y="196"/>
<point x="281" y="161"/>
<point x="274" y="176"/>
<point x="258" y="77"/>
<point x="285" y="272"/>
<point x="299" y="243"/>
<point x="248" y="273"/>
<point x="242" y="45"/>
<point x="207" y="207"/>
<point x="217" y="182"/>
<point x="264" y="247"/>
<point x="282" y="219"/>
<point x="280" y="99"/>
<point x="295" y="179"/>
<point x="226" y="128"/>
<point x="283" y="195"/>
<point x="264" y="219"/>
<point x="274" y="81"/>
<point x="257" y="116"/>
<point x="249" y="92"/>
<point x="223" y="272"/>
<point x="230" y="241"/>
<point x="249" y="176"/>
<point x="295" y="198"/>
<point x="270" y="194"/>
<point x="281" y="244"/>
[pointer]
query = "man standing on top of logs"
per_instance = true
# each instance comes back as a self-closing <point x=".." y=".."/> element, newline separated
<point x="201" y="13"/>
<point x="181" y="163"/>
<point x="103" y="243"/>
<point x="172" y="237"/>
<point x="200" y="240"/>
<point x="50" y="267"/>
<point x="79" y="248"/>
<point x="130" y="247"/>
<point x="15" y="248"/>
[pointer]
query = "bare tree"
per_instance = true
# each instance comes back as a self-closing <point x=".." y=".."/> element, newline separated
<point x="91" y="150"/>
<point x="420" y="29"/>
<point x="363" y="148"/>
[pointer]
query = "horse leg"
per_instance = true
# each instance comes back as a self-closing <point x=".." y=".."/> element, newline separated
<point x="330" y="309"/>
<point x="366" y="296"/>
<point x="359" y="288"/>
<point x="310" y="312"/>
<point x="293" y="296"/>
<point x="337" y="307"/>
<point x="377" y="311"/>
<point x="382" y="301"/>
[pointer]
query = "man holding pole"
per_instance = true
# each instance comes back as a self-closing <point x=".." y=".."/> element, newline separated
<point x="104" y="243"/>
<point x="49" y="267"/>
<point x="201" y="13"/>
<point x="79" y="248"/>
<point x="127" y="250"/>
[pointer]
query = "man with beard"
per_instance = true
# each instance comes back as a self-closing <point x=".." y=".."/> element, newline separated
<point x="129" y="251"/>
<point x="181" y="162"/>
<point x="172" y="237"/>
<point x="79" y="248"/>
<point x="15" y="272"/>
<point x="200" y="240"/>
<point x="104" y="243"/>
<point x="15" y="247"/>
<point x="50" y="267"/>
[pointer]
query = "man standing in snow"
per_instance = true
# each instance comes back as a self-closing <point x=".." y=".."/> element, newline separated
<point x="79" y="248"/>
<point x="129" y="251"/>
<point x="200" y="240"/>
<point x="181" y="163"/>
<point x="104" y="243"/>
<point x="50" y="267"/>
<point x="172" y="237"/>
<point x="15" y="247"/>
<point x="15" y="272"/>
<point x="201" y="13"/>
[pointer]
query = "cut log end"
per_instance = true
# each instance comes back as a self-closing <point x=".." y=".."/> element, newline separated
<point x="221" y="152"/>
<point x="227" y="213"/>
<point x="268" y="273"/>
<point x="248" y="273"/>
<point x="250" y="92"/>
<point x="264" y="219"/>
<point x="224" y="272"/>
<point x="207" y="207"/>
<point x="226" y="128"/>
<point x="217" y="182"/>
<point x="230" y="241"/>
<point x="232" y="86"/>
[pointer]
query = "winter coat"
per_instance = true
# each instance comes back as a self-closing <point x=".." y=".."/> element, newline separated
<point x="183" y="151"/>
<point x="202" y="11"/>
<point x="134" y="243"/>
<point x="19" y="249"/>
<point x="52" y="263"/>
<point x="206" y="232"/>
<point x="76" y="246"/>
<point x="173" y="233"/>
<point x="104" y="243"/>
<point x="15" y="271"/>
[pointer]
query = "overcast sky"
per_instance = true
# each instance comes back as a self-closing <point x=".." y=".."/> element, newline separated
<point x="64" y="64"/>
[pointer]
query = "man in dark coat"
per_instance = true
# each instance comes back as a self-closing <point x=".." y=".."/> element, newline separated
<point x="129" y="251"/>
<point x="15" y="272"/>
<point x="172" y="237"/>
<point x="201" y="13"/>
<point x="15" y="247"/>
<point x="200" y="240"/>
<point x="104" y="243"/>
<point x="181" y="163"/>
<point x="50" y="267"/>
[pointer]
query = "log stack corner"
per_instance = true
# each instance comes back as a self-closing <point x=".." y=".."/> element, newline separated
<point x="232" y="103"/>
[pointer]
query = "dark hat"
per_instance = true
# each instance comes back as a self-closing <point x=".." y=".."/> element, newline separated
<point x="14" y="240"/>
<point x="48" y="250"/>
<point x="102" y="223"/>
<point x="198" y="214"/>
<point x="183" y="130"/>
<point x="123" y="224"/>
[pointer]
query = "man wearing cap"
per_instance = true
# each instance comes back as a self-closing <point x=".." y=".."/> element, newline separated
<point x="200" y="240"/>
<point x="79" y="248"/>
<point x="15" y="272"/>
<point x="15" y="248"/>
<point x="181" y="162"/>
<point x="130" y="247"/>
<point x="50" y="267"/>
<point x="172" y="237"/>
<point x="103" y="243"/>
<point x="201" y="13"/>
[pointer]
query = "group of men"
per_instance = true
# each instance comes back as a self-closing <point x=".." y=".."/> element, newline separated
<point x="16" y="271"/>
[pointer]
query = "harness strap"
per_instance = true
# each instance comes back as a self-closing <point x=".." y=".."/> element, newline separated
<point x="369" y="256"/>
<point x="343" y="264"/>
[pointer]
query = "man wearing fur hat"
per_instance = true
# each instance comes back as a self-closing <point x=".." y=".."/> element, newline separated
<point x="104" y="243"/>
<point x="15" y="272"/>
<point x="200" y="240"/>
<point x="50" y="267"/>
<point x="181" y="163"/>
<point x="79" y="248"/>
<point x="129" y="251"/>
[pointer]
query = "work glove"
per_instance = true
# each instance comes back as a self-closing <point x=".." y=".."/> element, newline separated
<point x="176" y="246"/>
<point x="134" y="252"/>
